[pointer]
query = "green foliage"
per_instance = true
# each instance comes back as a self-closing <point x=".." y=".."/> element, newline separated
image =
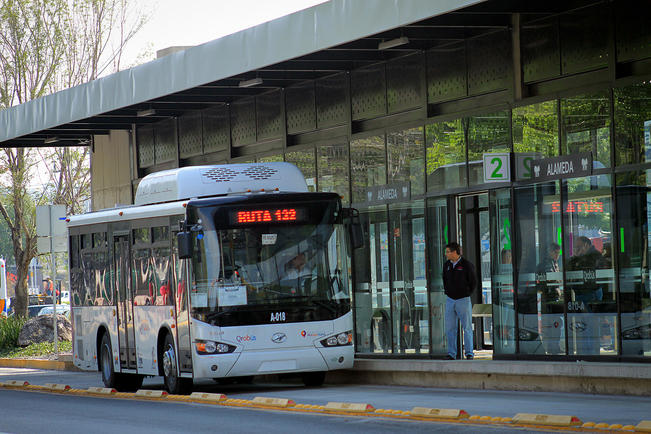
<point x="9" y="331"/>
<point x="35" y="350"/>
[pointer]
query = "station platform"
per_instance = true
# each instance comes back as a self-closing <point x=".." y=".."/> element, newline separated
<point x="569" y="377"/>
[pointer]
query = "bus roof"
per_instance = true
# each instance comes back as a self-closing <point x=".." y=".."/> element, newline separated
<point x="217" y="180"/>
<point x="127" y="212"/>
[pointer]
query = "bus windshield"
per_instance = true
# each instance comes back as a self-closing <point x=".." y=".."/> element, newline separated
<point x="271" y="273"/>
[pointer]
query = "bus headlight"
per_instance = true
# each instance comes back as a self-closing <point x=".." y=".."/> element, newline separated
<point x="341" y="339"/>
<point x="212" y="347"/>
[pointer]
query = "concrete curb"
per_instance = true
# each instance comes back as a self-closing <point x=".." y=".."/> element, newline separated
<point x="533" y="421"/>
<point x="53" y="365"/>
<point x="580" y="377"/>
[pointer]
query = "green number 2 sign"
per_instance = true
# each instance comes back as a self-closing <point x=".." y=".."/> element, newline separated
<point x="497" y="167"/>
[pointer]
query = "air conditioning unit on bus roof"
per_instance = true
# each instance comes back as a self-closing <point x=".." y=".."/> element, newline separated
<point x="218" y="180"/>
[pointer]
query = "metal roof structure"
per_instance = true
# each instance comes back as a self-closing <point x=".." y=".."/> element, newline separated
<point x="336" y="36"/>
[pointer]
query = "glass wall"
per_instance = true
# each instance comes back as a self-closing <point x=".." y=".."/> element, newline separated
<point x="537" y="253"/>
<point x="332" y="169"/>
<point x="406" y="159"/>
<point x="368" y="163"/>
<point x="632" y="124"/>
<point x="589" y="277"/>
<point x="535" y="135"/>
<point x="585" y="126"/>
<point x="446" y="155"/>
<point x="372" y="288"/>
<point x="306" y="162"/>
<point x="633" y="193"/>
<point x="559" y="262"/>
<point x="487" y="133"/>
<point x="502" y="272"/>
<point x="438" y="235"/>
<point x="408" y="280"/>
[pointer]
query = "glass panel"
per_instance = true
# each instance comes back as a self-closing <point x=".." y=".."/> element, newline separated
<point x="634" y="259"/>
<point x="535" y="135"/>
<point x="537" y="232"/>
<point x="141" y="236"/>
<point x="589" y="284"/>
<point x="585" y="123"/>
<point x="633" y="124"/>
<point x="437" y="238"/>
<point x="102" y="282"/>
<point x="332" y="167"/>
<point x="372" y="300"/>
<point x="406" y="158"/>
<point x="85" y="241"/>
<point x="502" y="273"/>
<point x="368" y="165"/>
<point x="86" y="292"/>
<point x="161" y="233"/>
<point x="446" y="155"/>
<point x="160" y="275"/>
<point x="143" y="278"/>
<point x="99" y="240"/>
<point x="410" y="313"/>
<point x="243" y="274"/>
<point x="306" y="162"/>
<point x="270" y="158"/>
<point x="486" y="134"/>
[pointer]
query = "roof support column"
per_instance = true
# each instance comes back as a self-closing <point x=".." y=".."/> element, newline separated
<point x="518" y="85"/>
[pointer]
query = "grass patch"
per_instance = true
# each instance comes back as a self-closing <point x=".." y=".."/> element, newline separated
<point x="35" y="350"/>
<point x="9" y="331"/>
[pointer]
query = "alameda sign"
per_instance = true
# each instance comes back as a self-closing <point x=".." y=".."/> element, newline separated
<point x="566" y="166"/>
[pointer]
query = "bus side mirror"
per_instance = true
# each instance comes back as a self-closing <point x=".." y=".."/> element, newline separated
<point x="356" y="231"/>
<point x="184" y="242"/>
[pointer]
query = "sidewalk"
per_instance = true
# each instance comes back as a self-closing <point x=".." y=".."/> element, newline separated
<point x="566" y="377"/>
<point x="62" y="363"/>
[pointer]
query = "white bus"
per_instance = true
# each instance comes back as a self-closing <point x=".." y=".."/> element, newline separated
<point x="222" y="272"/>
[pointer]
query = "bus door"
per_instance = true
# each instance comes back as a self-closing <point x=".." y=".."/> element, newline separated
<point x="126" y="335"/>
<point x="180" y="279"/>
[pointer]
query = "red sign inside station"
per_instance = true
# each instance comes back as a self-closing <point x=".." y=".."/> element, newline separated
<point x="579" y="206"/>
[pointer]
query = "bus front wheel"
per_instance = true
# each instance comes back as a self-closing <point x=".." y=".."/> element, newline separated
<point x="173" y="383"/>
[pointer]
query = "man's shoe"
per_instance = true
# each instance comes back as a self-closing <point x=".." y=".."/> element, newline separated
<point x="449" y="357"/>
<point x="469" y="357"/>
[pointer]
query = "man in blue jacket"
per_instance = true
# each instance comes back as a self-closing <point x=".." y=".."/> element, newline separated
<point x="459" y="281"/>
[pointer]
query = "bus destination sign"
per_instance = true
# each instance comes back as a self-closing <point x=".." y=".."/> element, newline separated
<point x="267" y="215"/>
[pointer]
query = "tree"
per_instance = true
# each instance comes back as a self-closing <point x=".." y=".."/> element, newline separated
<point x="47" y="45"/>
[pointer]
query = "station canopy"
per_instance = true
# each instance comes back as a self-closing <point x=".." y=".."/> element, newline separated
<point x="339" y="35"/>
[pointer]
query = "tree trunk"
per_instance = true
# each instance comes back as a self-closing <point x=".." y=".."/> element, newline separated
<point x="21" y="300"/>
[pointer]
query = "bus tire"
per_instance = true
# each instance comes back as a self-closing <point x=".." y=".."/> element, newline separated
<point x="173" y="383"/>
<point x="109" y="377"/>
<point x="112" y="379"/>
<point x="313" y="379"/>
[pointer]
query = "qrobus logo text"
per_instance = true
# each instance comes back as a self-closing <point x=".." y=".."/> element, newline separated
<point x="246" y="338"/>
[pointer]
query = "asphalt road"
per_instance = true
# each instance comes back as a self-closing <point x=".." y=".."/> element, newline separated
<point x="79" y="414"/>
<point x="596" y="408"/>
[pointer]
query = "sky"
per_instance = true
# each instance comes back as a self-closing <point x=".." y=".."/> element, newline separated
<point x="193" y="22"/>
